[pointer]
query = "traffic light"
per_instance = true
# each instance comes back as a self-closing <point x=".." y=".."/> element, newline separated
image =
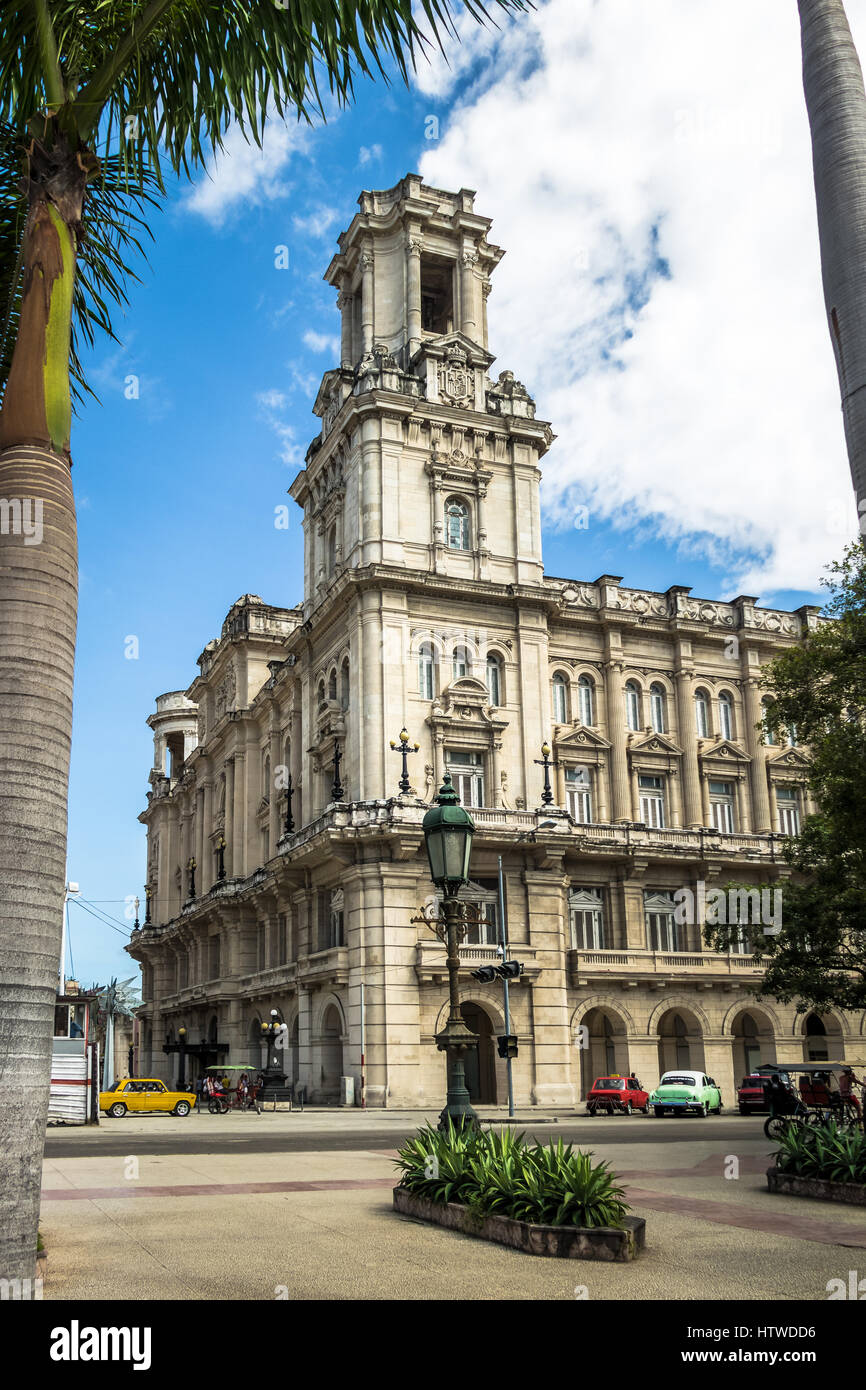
<point x="507" y="1044"/>
<point x="510" y="969"/>
<point x="484" y="973"/>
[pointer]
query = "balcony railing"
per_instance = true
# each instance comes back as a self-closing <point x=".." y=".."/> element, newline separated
<point x="582" y="963"/>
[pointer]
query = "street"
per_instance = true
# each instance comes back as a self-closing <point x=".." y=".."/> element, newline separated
<point x="298" y="1206"/>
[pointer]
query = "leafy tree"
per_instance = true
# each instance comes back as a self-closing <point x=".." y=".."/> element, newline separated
<point x="819" y="686"/>
<point x="97" y="97"/>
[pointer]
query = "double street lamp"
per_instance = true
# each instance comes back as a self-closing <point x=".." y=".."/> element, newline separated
<point x="448" y="830"/>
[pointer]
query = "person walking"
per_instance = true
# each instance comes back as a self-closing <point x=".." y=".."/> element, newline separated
<point x="847" y="1082"/>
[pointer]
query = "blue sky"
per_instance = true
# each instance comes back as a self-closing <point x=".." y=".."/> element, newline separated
<point x="177" y="488"/>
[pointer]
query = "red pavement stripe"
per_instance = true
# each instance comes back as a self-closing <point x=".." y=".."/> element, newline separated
<point x="724" y="1214"/>
<point x="86" y="1194"/>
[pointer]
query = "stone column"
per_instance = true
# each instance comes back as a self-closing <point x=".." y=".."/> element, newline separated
<point x="744" y="820"/>
<point x="620" y="792"/>
<point x="601" y="810"/>
<point x="468" y="310"/>
<point x="367" y="302"/>
<point x="675" y="798"/>
<point x="547" y="907"/>
<point x="705" y="802"/>
<point x="207" y="859"/>
<point x="345" y="303"/>
<point x="635" y="796"/>
<point x="231" y="853"/>
<point x="413" y="293"/>
<point x="239" y="857"/>
<point x="688" y="742"/>
<point x="762" y="818"/>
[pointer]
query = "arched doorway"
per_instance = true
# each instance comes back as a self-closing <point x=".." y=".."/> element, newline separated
<point x="606" y="1049"/>
<point x="753" y="1042"/>
<point x="332" y="1051"/>
<point x="681" y="1042"/>
<point x="479" y="1062"/>
<point x="822" y="1038"/>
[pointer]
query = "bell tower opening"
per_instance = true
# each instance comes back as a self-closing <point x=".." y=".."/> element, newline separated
<point x="437" y="295"/>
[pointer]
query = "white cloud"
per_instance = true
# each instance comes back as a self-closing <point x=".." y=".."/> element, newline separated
<point x="318" y="222"/>
<point x="322" y="342"/>
<point x="272" y="403"/>
<point x="241" y="175"/>
<point x="648" y="168"/>
<point x="367" y="153"/>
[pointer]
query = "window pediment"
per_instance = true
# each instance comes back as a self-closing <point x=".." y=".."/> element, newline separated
<point x="724" y="750"/>
<point x="652" y="744"/>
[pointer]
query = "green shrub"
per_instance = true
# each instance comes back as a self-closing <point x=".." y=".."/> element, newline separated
<point x="823" y="1151"/>
<point x="500" y="1174"/>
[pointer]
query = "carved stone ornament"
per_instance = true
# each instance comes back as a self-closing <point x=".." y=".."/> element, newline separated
<point x="456" y="378"/>
<point x="225" y="694"/>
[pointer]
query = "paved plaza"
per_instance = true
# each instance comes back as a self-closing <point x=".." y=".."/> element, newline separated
<point x="299" y="1207"/>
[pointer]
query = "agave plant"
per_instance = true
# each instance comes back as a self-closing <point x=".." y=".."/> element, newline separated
<point x="823" y="1151"/>
<point x="500" y="1174"/>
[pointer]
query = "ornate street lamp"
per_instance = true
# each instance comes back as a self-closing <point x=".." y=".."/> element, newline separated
<point x="221" y="851"/>
<point x="181" y="1075"/>
<point x="273" y="1074"/>
<point x="289" y="823"/>
<point x="191" y="866"/>
<point x="147" y="897"/>
<point x="448" y="831"/>
<point x="545" y="762"/>
<point x="136" y="926"/>
<point x="402" y="747"/>
<point x="337" y="792"/>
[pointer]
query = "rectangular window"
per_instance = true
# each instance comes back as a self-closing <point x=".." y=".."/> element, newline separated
<point x="652" y="801"/>
<point x="586" y="916"/>
<point x="214" y="953"/>
<point x="722" y="806"/>
<point x="283" y="939"/>
<point x="789" y="811"/>
<point x="663" y="933"/>
<point x="331" y="933"/>
<point x="578" y="794"/>
<point x="483" y="928"/>
<point x="467" y="776"/>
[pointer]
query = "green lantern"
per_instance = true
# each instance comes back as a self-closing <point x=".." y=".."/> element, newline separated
<point x="448" y="831"/>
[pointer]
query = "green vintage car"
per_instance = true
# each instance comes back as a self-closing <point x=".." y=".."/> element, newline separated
<point x="679" y="1092"/>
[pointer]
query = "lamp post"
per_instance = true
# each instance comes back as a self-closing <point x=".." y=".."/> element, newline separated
<point x="147" y="897"/>
<point x="545" y="762"/>
<point x="402" y="747"/>
<point x="221" y="851"/>
<point x="191" y="866"/>
<point x="181" y="1078"/>
<point x="273" y="1074"/>
<point x="289" y="822"/>
<point x="448" y="830"/>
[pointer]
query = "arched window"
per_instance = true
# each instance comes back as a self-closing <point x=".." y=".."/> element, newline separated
<point x="585" y="700"/>
<point x="425" y="671"/>
<point x="321" y="693"/>
<point x="560" y="698"/>
<point x="344" y="684"/>
<point x="456" y="524"/>
<point x="632" y="706"/>
<point x="460" y="663"/>
<point x="332" y="684"/>
<point x="792" y="736"/>
<point x="494" y="678"/>
<point x="769" y="735"/>
<point x="657" y="707"/>
<point x="726" y="715"/>
<point x="332" y="550"/>
<point x="266" y="777"/>
<point x="702" y="713"/>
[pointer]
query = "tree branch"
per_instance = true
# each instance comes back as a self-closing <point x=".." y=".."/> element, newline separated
<point x="91" y="99"/>
<point x="55" y="90"/>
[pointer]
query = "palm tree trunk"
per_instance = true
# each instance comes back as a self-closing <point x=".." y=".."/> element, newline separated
<point x="38" y="608"/>
<point x="836" y="103"/>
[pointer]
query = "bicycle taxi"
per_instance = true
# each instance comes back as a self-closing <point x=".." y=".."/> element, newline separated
<point x="244" y="1095"/>
<point x="806" y="1093"/>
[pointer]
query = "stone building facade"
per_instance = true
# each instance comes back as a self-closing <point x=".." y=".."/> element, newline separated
<point x="426" y="605"/>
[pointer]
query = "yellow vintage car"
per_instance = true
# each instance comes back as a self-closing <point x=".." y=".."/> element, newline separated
<point x="144" y="1095"/>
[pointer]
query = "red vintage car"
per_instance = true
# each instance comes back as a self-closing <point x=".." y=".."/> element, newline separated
<point x="752" y="1094"/>
<point x="616" y="1095"/>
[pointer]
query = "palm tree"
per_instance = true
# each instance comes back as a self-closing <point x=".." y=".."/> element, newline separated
<point x="94" y="98"/>
<point x="836" y="103"/>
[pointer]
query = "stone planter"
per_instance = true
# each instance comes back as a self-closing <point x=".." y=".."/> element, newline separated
<point x="852" y="1193"/>
<point x="564" y="1242"/>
